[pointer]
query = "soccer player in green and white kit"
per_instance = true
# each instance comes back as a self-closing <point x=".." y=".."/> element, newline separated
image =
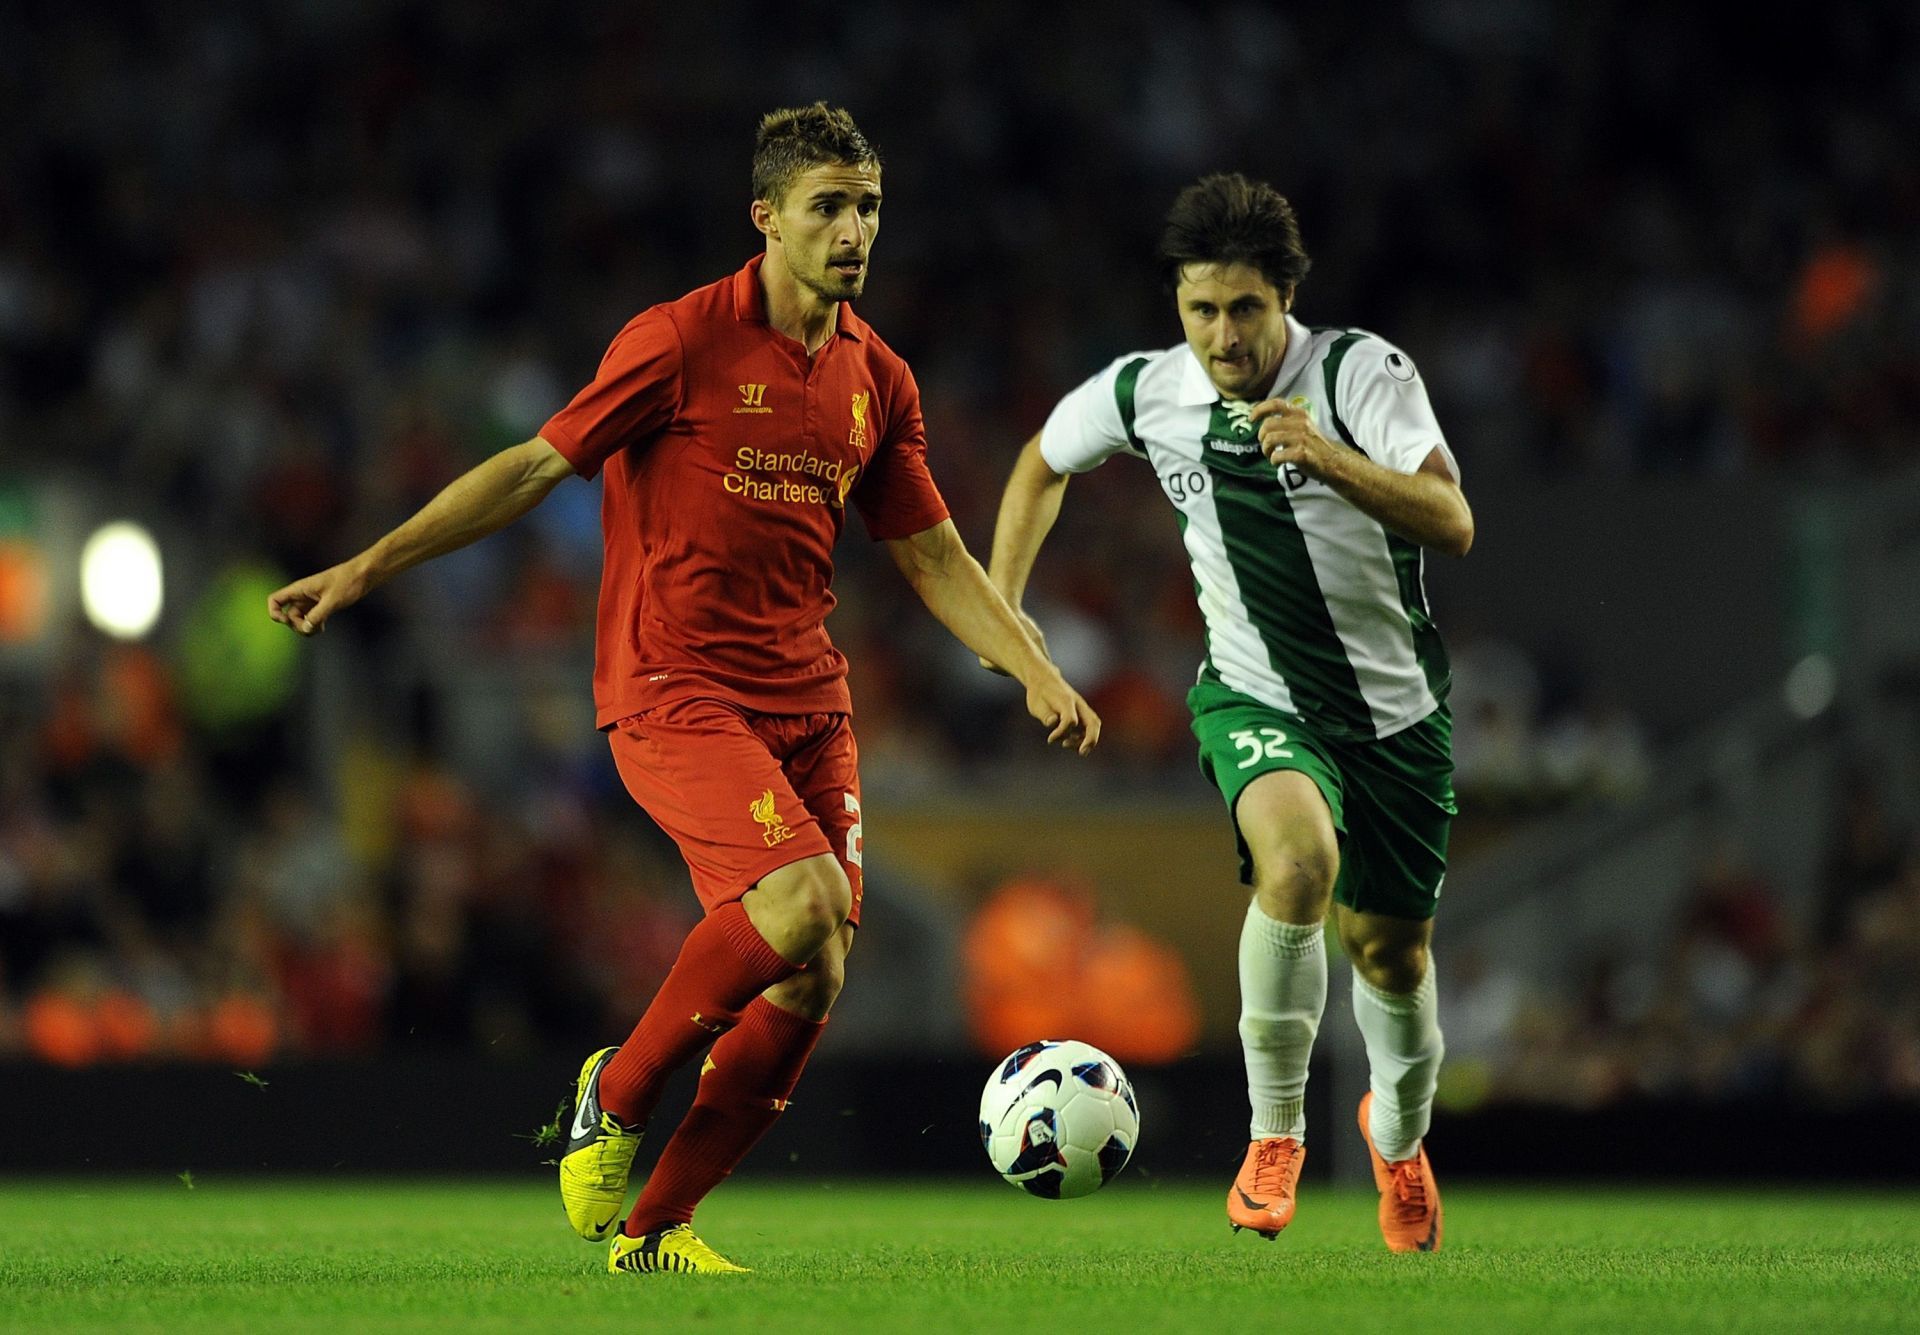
<point x="1307" y="474"/>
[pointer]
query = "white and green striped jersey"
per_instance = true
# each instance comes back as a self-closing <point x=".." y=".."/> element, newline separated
<point x="1311" y="606"/>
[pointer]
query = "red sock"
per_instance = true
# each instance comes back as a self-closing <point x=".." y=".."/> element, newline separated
<point x="724" y="964"/>
<point x="753" y="1071"/>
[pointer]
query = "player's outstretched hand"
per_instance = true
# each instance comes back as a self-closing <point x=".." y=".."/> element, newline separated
<point x="1069" y="719"/>
<point x="1032" y="628"/>
<point x="306" y="603"/>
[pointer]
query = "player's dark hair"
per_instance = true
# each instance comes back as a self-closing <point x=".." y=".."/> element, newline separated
<point x="1227" y="219"/>
<point x="794" y="139"/>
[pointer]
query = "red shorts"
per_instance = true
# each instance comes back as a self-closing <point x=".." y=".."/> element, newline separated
<point x="744" y="794"/>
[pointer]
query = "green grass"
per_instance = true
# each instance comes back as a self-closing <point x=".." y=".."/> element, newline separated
<point x="849" y="1259"/>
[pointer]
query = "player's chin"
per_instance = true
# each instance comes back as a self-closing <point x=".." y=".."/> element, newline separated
<point x="845" y="280"/>
<point x="1227" y="382"/>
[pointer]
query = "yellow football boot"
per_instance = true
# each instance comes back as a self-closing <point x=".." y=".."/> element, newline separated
<point x="675" y="1250"/>
<point x="593" y="1171"/>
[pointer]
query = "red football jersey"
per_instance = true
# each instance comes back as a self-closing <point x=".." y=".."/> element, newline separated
<point x="730" y="456"/>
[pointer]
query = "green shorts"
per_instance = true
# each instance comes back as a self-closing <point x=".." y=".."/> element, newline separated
<point x="1392" y="799"/>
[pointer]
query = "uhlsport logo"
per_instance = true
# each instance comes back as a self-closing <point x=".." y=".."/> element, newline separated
<point x="753" y="399"/>
<point x="1230" y="429"/>
<point x="773" y="826"/>
<point x="858" y="436"/>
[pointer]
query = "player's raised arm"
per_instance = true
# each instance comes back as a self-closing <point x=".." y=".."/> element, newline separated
<point x="956" y="590"/>
<point x="1028" y="508"/>
<point x="1425" y="506"/>
<point x="482" y="500"/>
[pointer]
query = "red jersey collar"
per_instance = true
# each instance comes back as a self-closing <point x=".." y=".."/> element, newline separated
<point x="750" y="303"/>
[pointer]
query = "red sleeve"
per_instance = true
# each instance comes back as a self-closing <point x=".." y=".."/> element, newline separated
<point x="633" y="396"/>
<point x="897" y="497"/>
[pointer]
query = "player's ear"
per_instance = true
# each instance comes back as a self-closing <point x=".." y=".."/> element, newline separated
<point x="765" y="218"/>
<point x="1286" y="300"/>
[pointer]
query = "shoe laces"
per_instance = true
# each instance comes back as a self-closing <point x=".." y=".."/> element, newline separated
<point x="611" y="1129"/>
<point x="1272" y="1160"/>
<point x="1409" y="1186"/>
<point x="613" y="1155"/>
<point x="690" y="1245"/>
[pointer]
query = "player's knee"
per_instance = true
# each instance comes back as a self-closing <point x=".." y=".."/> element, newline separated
<point x="813" y="990"/>
<point x="1294" y="883"/>
<point x="819" y="899"/>
<point x="817" y="987"/>
<point x="1393" y="967"/>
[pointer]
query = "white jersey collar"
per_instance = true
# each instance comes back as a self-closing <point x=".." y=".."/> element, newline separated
<point x="1197" y="388"/>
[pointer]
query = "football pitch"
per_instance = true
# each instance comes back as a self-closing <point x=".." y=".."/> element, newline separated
<point x="848" y="1258"/>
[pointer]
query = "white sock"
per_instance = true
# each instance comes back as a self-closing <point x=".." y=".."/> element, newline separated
<point x="1404" y="1049"/>
<point x="1283" y="990"/>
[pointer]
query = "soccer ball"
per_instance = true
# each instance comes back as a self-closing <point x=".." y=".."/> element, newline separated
<point x="1058" y="1119"/>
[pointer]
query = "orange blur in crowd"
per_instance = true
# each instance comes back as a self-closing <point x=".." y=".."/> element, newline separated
<point x="69" y="1029"/>
<point x="1039" y="965"/>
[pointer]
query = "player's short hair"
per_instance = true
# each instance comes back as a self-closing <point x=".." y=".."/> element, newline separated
<point x="1227" y="219"/>
<point x="794" y="139"/>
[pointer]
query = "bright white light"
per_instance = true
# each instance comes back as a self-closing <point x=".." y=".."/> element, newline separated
<point x="1810" y="686"/>
<point x="120" y="580"/>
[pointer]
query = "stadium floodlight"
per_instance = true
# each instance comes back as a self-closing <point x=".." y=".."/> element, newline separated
<point x="1811" y="686"/>
<point x="120" y="583"/>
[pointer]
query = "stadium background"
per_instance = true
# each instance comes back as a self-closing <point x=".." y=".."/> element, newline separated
<point x="270" y="278"/>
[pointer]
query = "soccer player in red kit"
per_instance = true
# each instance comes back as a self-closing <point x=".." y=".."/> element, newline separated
<point x="734" y="425"/>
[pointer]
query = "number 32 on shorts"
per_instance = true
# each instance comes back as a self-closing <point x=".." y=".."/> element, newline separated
<point x="1260" y="744"/>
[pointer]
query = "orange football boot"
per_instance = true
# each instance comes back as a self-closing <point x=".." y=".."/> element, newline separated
<point x="1261" y="1197"/>
<point x="1409" y="1197"/>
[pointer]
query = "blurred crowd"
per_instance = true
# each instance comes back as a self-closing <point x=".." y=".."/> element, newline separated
<point x="170" y="892"/>
<point x="278" y="273"/>
<point x="271" y="275"/>
<point x="1757" y="991"/>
